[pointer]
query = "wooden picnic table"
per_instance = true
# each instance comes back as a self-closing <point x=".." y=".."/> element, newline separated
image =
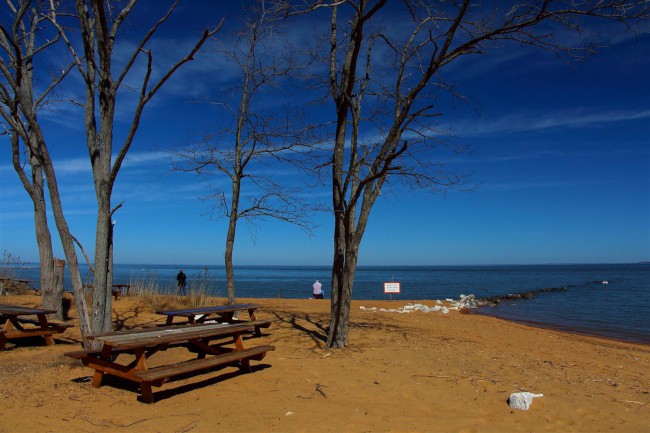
<point x="221" y="313"/>
<point x="139" y="345"/>
<point x="16" y="317"/>
<point x="7" y="282"/>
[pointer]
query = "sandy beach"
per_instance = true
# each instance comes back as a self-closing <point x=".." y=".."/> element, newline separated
<point x="416" y="372"/>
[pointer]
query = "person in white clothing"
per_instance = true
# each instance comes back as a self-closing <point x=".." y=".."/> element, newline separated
<point x="318" y="290"/>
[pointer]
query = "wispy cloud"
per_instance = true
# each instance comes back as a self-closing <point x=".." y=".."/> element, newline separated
<point x="144" y="158"/>
<point x="512" y="186"/>
<point x="133" y="160"/>
<point x="514" y="123"/>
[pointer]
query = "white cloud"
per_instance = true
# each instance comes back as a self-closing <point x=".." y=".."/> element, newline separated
<point x="513" y="123"/>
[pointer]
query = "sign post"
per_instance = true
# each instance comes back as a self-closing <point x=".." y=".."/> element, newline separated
<point x="390" y="288"/>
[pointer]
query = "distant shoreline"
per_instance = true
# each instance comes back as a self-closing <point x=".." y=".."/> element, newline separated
<point x="328" y="266"/>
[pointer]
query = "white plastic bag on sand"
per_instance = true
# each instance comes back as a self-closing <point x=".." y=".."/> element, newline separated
<point x="522" y="400"/>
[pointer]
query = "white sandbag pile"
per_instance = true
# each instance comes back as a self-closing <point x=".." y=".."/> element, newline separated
<point x="410" y="308"/>
<point x="465" y="301"/>
<point x="522" y="400"/>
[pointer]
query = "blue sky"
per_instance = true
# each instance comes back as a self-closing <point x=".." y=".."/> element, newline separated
<point x="562" y="156"/>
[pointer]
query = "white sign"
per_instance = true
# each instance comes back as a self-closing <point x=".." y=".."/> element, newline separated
<point x="391" y="288"/>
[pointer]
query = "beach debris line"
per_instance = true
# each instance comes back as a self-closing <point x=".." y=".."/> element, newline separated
<point x="522" y="400"/>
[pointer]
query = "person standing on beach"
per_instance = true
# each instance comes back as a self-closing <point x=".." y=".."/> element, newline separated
<point x="318" y="290"/>
<point x="181" y="277"/>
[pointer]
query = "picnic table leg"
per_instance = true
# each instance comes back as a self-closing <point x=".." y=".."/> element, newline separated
<point x="9" y="324"/>
<point x="147" y="394"/>
<point x="141" y="364"/>
<point x="141" y="359"/>
<point x="251" y="314"/>
<point x="245" y="364"/>
<point x="42" y="320"/>
<point x="98" y="376"/>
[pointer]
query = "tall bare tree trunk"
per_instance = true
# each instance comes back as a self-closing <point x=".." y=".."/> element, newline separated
<point x="230" y="240"/>
<point x="43" y="239"/>
<point x="339" y="313"/>
<point x="343" y="271"/>
<point x="57" y="289"/>
<point x="68" y="247"/>
<point x="102" y="283"/>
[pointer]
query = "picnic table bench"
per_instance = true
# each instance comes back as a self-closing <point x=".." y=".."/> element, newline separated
<point x="139" y="345"/>
<point x="15" y="317"/>
<point x="221" y="313"/>
<point x="121" y="290"/>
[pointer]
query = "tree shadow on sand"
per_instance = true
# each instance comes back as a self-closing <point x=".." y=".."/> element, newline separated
<point x="317" y="332"/>
<point x="317" y="326"/>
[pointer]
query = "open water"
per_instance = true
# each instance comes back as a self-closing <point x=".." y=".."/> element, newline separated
<point x="619" y="309"/>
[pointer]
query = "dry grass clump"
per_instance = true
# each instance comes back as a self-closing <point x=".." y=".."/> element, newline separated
<point x="196" y="298"/>
<point x="155" y="302"/>
<point x="8" y="265"/>
<point x="200" y="293"/>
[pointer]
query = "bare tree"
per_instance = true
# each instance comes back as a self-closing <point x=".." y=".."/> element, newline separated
<point x="17" y="40"/>
<point x="254" y="138"/>
<point x="395" y="96"/>
<point x="99" y="24"/>
<point x="23" y="39"/>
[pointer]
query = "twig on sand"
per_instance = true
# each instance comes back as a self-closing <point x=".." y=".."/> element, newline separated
<point x="432" y="376"/>
<point x="318" y="388"/>
<point x="188" y="427"/>
<point x="106" y="423"/>
<point x="632" y="401"/>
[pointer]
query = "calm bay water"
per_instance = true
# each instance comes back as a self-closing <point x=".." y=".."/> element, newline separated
<point x="619" y="309"/>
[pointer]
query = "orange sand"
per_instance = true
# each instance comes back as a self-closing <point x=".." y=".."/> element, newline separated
<point x="417" y="372"/>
